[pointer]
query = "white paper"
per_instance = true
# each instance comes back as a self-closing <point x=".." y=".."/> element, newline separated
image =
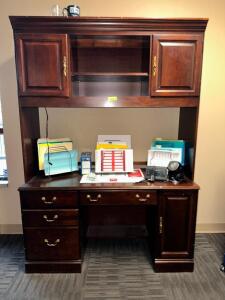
<point x="116" y="139"/>
<point x="111" y="178"/>
<point x="161" y="158"/>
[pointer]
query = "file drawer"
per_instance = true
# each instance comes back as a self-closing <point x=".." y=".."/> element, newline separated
<point x="52" y="243"/>
<point x="48" y="199"/>
<point x="138" y="197"/>
<point x="47" y="217"/>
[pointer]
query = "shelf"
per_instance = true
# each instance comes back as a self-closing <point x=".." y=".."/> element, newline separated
<point x="100" y="101"/>
<point x="111" y="74"/>
<point x="107" y="42"/>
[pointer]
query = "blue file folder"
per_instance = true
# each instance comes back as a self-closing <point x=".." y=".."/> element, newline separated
<point x="60" y="162"/>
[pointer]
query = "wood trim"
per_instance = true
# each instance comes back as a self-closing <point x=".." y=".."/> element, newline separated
<point x="94" y="102"/>
<point x="104" y="24"/>
<point x="210" y="228"/>
<point x="11" y="229"/>
<point x="188" y="124"/>
<point x="30" y="132"/>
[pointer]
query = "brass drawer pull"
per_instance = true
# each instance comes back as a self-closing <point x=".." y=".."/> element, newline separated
<point x="99" y="196"/>
<point x="142" y="199"/>
<point x="50" y="220"/>
<point x="64" y="66"/>
<point x="154" y="66"/>
<point x="48" y="202"/>
<point x="161" y="225"/>
<point x="52" y="244"/>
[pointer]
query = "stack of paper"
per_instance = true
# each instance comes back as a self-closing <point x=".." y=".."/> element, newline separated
<point x="56" y="156"/>
<point x="164" y="151"/>
<point x="52" y="145"/>
<point x="132" y="177"/>
<point x="113" y="154"/>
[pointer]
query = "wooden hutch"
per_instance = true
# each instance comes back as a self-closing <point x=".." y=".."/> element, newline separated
<point x="81" y="62"/>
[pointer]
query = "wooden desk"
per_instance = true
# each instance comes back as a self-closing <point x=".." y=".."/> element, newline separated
<point x="59" y="213"/>
<point x="68" y="62"/>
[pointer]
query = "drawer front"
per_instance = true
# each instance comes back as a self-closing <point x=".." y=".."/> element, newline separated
<point x="138" y="197"/>
<point x="48" y="199"/>
<point x="47" y="217"/>
<point x="52" y="243"/>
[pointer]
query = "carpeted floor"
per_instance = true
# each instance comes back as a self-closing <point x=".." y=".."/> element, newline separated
<point x="115" y="270"/>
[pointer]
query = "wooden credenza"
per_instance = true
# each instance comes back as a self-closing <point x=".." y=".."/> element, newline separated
<point x="106" y="62"/>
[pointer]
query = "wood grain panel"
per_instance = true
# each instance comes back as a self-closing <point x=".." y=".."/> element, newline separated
<point x="177" y="224"/>
<point x="118" y="198"/>
<point x="49" y="217"/>
<point x="43" y="64"/>
<point x="30" y="132"/>
<point x="176" y="60"/>
<point x="52" y="243"/>
<point x="48" y="199"/>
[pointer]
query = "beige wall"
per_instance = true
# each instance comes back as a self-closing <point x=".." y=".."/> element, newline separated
<point x="211" y="133"/>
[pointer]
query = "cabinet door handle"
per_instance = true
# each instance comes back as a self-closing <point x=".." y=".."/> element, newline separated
<point x="64" y="66"/>
<point x="99" y="196"/>
<point x="161" y="225"/>
<point x="48" y="202"/>
<point x="50" y="220"/>
<point x="143" y="199"/>
<point x="51" y="244"/>
<point x="154" y="66"/>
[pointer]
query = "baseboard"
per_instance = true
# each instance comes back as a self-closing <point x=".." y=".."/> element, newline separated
<point x="210" y="228"/>
<point x="11" y="229"/>
<point x="200" y="228"/>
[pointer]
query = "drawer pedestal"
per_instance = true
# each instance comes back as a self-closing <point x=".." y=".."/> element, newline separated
<point x="51" y="231"/>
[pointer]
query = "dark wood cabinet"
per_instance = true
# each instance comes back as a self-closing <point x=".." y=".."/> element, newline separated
<point x="176" y="229"/>
<point x="43" y="64"/>
<point x="177" y="224"/>
<point x="102" y="62"/>
<point x="176" y="64"/>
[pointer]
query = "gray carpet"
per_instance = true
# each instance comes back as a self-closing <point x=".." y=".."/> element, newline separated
<point x="115" y="270"/>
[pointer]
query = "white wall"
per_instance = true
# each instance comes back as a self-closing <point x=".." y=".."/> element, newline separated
<point x="211" y="133"/>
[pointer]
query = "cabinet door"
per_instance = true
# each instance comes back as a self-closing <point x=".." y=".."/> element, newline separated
<point x="177" y="217"/>
<point x="176" y="65"/>
<point x="42" y="64"/>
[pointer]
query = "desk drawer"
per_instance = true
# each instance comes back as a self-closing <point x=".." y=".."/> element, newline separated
<point x="48" y="217"/>
<point x="48" y="199"/>
<point x="52" y="243"/>
<point x="138" y="197"/>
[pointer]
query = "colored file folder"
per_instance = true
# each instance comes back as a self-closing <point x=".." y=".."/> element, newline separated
<point x="60" y="162"/>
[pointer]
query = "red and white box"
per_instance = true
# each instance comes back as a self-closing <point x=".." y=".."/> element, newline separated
<point x="114" y="160"/>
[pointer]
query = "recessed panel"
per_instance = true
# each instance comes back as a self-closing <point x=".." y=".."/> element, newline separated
<point x="176" y="65"/>
<point x="42" y="64"/>
<point x="179" y="57"/>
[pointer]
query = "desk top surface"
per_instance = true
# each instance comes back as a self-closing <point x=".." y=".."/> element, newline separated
<point x="72" y="182"/>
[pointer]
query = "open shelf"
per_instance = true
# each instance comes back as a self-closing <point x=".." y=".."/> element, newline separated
<point x="110" y="66"/>
<point x="110" y="42"/>
<point x="110" y="74"/>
